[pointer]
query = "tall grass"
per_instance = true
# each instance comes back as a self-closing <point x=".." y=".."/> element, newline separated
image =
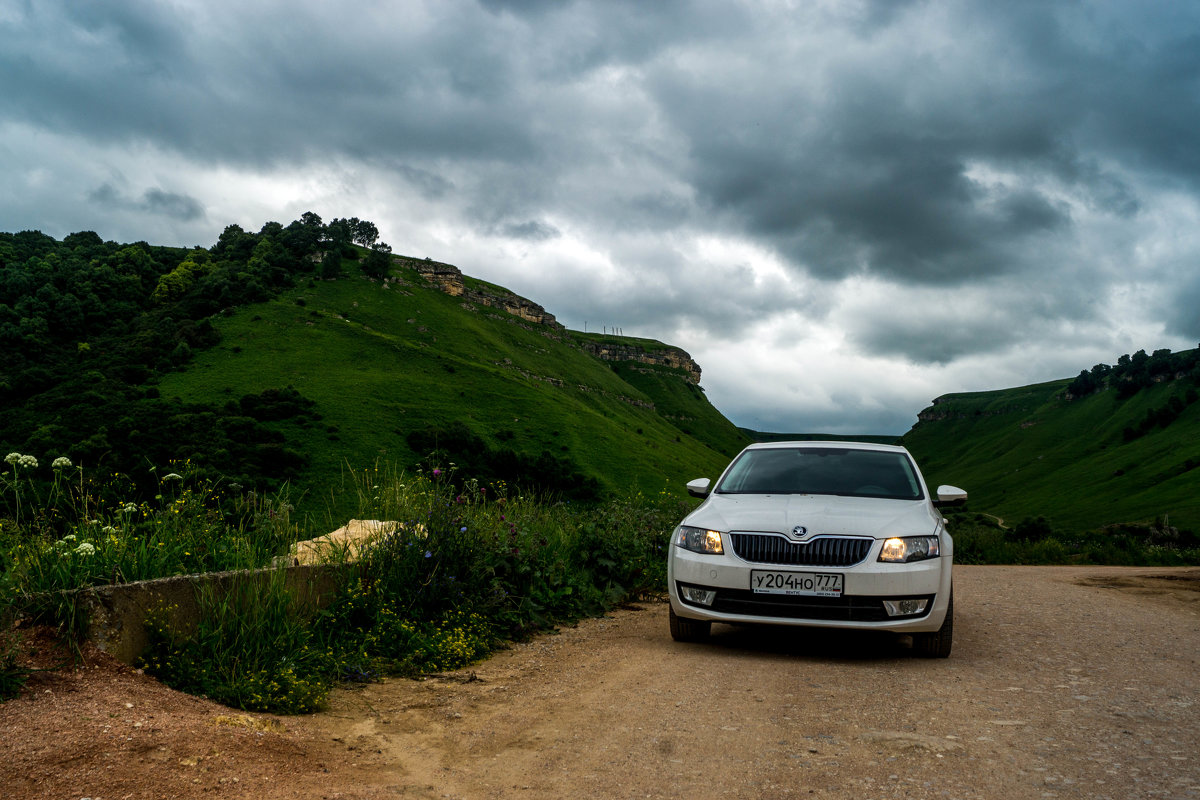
<point x="252" y="648"/>
<point x="82" y="533"/>
<point x="465" y="568"/>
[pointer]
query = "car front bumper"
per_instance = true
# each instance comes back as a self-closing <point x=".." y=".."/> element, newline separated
<point x="865" y="586"/>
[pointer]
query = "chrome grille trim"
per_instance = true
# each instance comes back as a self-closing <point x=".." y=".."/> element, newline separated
<point x="822" y="551"/>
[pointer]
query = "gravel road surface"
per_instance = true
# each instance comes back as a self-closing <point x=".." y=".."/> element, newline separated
<point x="1064" y="682"/>
<point x="1076" y="682"/>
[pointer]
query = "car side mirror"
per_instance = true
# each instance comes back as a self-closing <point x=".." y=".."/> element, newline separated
<point x="950" y="496"/>
<point x="698" y="487"/>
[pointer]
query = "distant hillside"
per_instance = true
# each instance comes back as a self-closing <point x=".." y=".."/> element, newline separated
<point x="300" y="352"/>
<point x="1119" y="453"/>
<point x="395" y="365"/>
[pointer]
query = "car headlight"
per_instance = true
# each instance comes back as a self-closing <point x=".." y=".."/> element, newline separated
<point x="699" y="540"/>
<point x="910" y="548"/>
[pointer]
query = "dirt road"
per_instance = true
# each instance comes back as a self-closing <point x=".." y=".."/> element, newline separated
<point x="1064" y="682"/>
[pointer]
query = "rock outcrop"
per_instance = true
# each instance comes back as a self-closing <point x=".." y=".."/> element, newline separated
<point x="449" y="279"/>
<point x="665" y="357"/>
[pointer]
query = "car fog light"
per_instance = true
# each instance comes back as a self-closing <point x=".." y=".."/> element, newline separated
<point x="694" y="594"/>
<point x="903" y="608"/>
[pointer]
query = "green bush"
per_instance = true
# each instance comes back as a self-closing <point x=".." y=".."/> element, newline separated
<point x="253" y="648"/>
<point x="465" y="568"/>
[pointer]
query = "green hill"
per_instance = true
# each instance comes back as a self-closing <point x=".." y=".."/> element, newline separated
<point x="304" y="352"/>
<point x="1123" y="453"/>
<point x="384" y="359"/>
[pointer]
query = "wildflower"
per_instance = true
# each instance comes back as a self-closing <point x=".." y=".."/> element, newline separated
<point x="436" y="472"/>
<point x="85" y="549"/>
<point x="12" y="458"/>
<point x="428" y="554"/>
<point x="172" y="476"/>
<point x="463" y="529"/>
<point x="62" y="462"/>
<point x="129" y="508"/>
<point x="26" y="461"/>
<point x="109" y="529"/>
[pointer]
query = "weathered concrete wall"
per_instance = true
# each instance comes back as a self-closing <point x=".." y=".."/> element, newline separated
<point x="118" y="613"/>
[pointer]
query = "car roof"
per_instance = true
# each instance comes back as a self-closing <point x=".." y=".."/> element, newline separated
<point x="830" y="445"/>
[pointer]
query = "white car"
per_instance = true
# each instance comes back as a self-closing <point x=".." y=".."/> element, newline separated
<point x="819" y="534"/>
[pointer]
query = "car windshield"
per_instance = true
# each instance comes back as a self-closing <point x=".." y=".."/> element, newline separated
<point x="823" y="470"/>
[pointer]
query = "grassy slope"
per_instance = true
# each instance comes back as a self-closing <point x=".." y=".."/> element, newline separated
<point x="409" y="357"/>
<point x="683" y="403"/>
<point x="1028" y="452"/>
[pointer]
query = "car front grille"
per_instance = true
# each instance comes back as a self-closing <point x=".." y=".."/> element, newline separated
<point x="836" y="609"/>
<point x="824" y="551"/>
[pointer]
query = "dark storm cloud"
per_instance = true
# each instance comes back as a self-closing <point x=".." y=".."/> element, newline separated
<point x="531" y="230"/>
<point x="1183" y="315"/>
<point x="179" y="206"/>
<point x="1016" y="166"/>
<point x="865" y="165"/>
<point x="931" y="338"/>
<point x="248" y="85"/>
<point x="154" y="201"/>
<point x="431" y="185"/>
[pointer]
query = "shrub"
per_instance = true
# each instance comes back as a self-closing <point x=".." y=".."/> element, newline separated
<point x="252" y="648"/>
<point x="1033" y="530"/>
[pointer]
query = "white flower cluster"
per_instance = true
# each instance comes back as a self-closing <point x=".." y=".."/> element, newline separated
<point x="68" y="544"/>
<point x="62" y="462"/>
<point x="20" y="460"/>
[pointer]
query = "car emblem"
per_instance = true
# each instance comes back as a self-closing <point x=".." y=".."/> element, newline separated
<point x="799" y="531"/>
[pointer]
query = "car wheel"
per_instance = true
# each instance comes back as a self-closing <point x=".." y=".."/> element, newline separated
<point x="938" y="643"/>
<point x="689" y="630"/>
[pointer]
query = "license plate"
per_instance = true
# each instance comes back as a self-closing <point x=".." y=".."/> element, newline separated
<point x="816" y="584"/>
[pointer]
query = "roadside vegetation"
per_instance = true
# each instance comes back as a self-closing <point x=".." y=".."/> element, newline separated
<point x="983" y="539"/>
<point x="467" y="567"/>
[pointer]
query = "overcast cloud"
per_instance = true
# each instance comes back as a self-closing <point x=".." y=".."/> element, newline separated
<point x="840" y="209"/>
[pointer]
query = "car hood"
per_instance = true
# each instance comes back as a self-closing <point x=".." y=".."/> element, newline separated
<point x="820" y="514"/>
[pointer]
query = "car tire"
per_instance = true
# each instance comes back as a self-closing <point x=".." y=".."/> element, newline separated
<point x="689" y="630"/>
<point x="938" y="643"/>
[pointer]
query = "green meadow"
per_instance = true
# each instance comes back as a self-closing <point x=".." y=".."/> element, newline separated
<point x="1031" y="451"/>
<point x="384" y="360"/>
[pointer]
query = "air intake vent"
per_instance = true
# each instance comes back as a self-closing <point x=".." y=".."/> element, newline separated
<point x="824" y="551"/>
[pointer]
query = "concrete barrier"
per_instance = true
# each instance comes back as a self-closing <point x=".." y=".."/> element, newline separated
<point x="117" y="614"/>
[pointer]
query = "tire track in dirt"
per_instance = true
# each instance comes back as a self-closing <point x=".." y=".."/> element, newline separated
<point x="1064" y="682"/>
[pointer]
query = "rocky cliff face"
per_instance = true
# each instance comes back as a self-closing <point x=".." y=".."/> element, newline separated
<point x="667" y="357"/>
<point x="449" y="279"/>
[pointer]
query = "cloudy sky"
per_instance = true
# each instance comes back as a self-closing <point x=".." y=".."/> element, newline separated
<point x="841" y="209"/>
